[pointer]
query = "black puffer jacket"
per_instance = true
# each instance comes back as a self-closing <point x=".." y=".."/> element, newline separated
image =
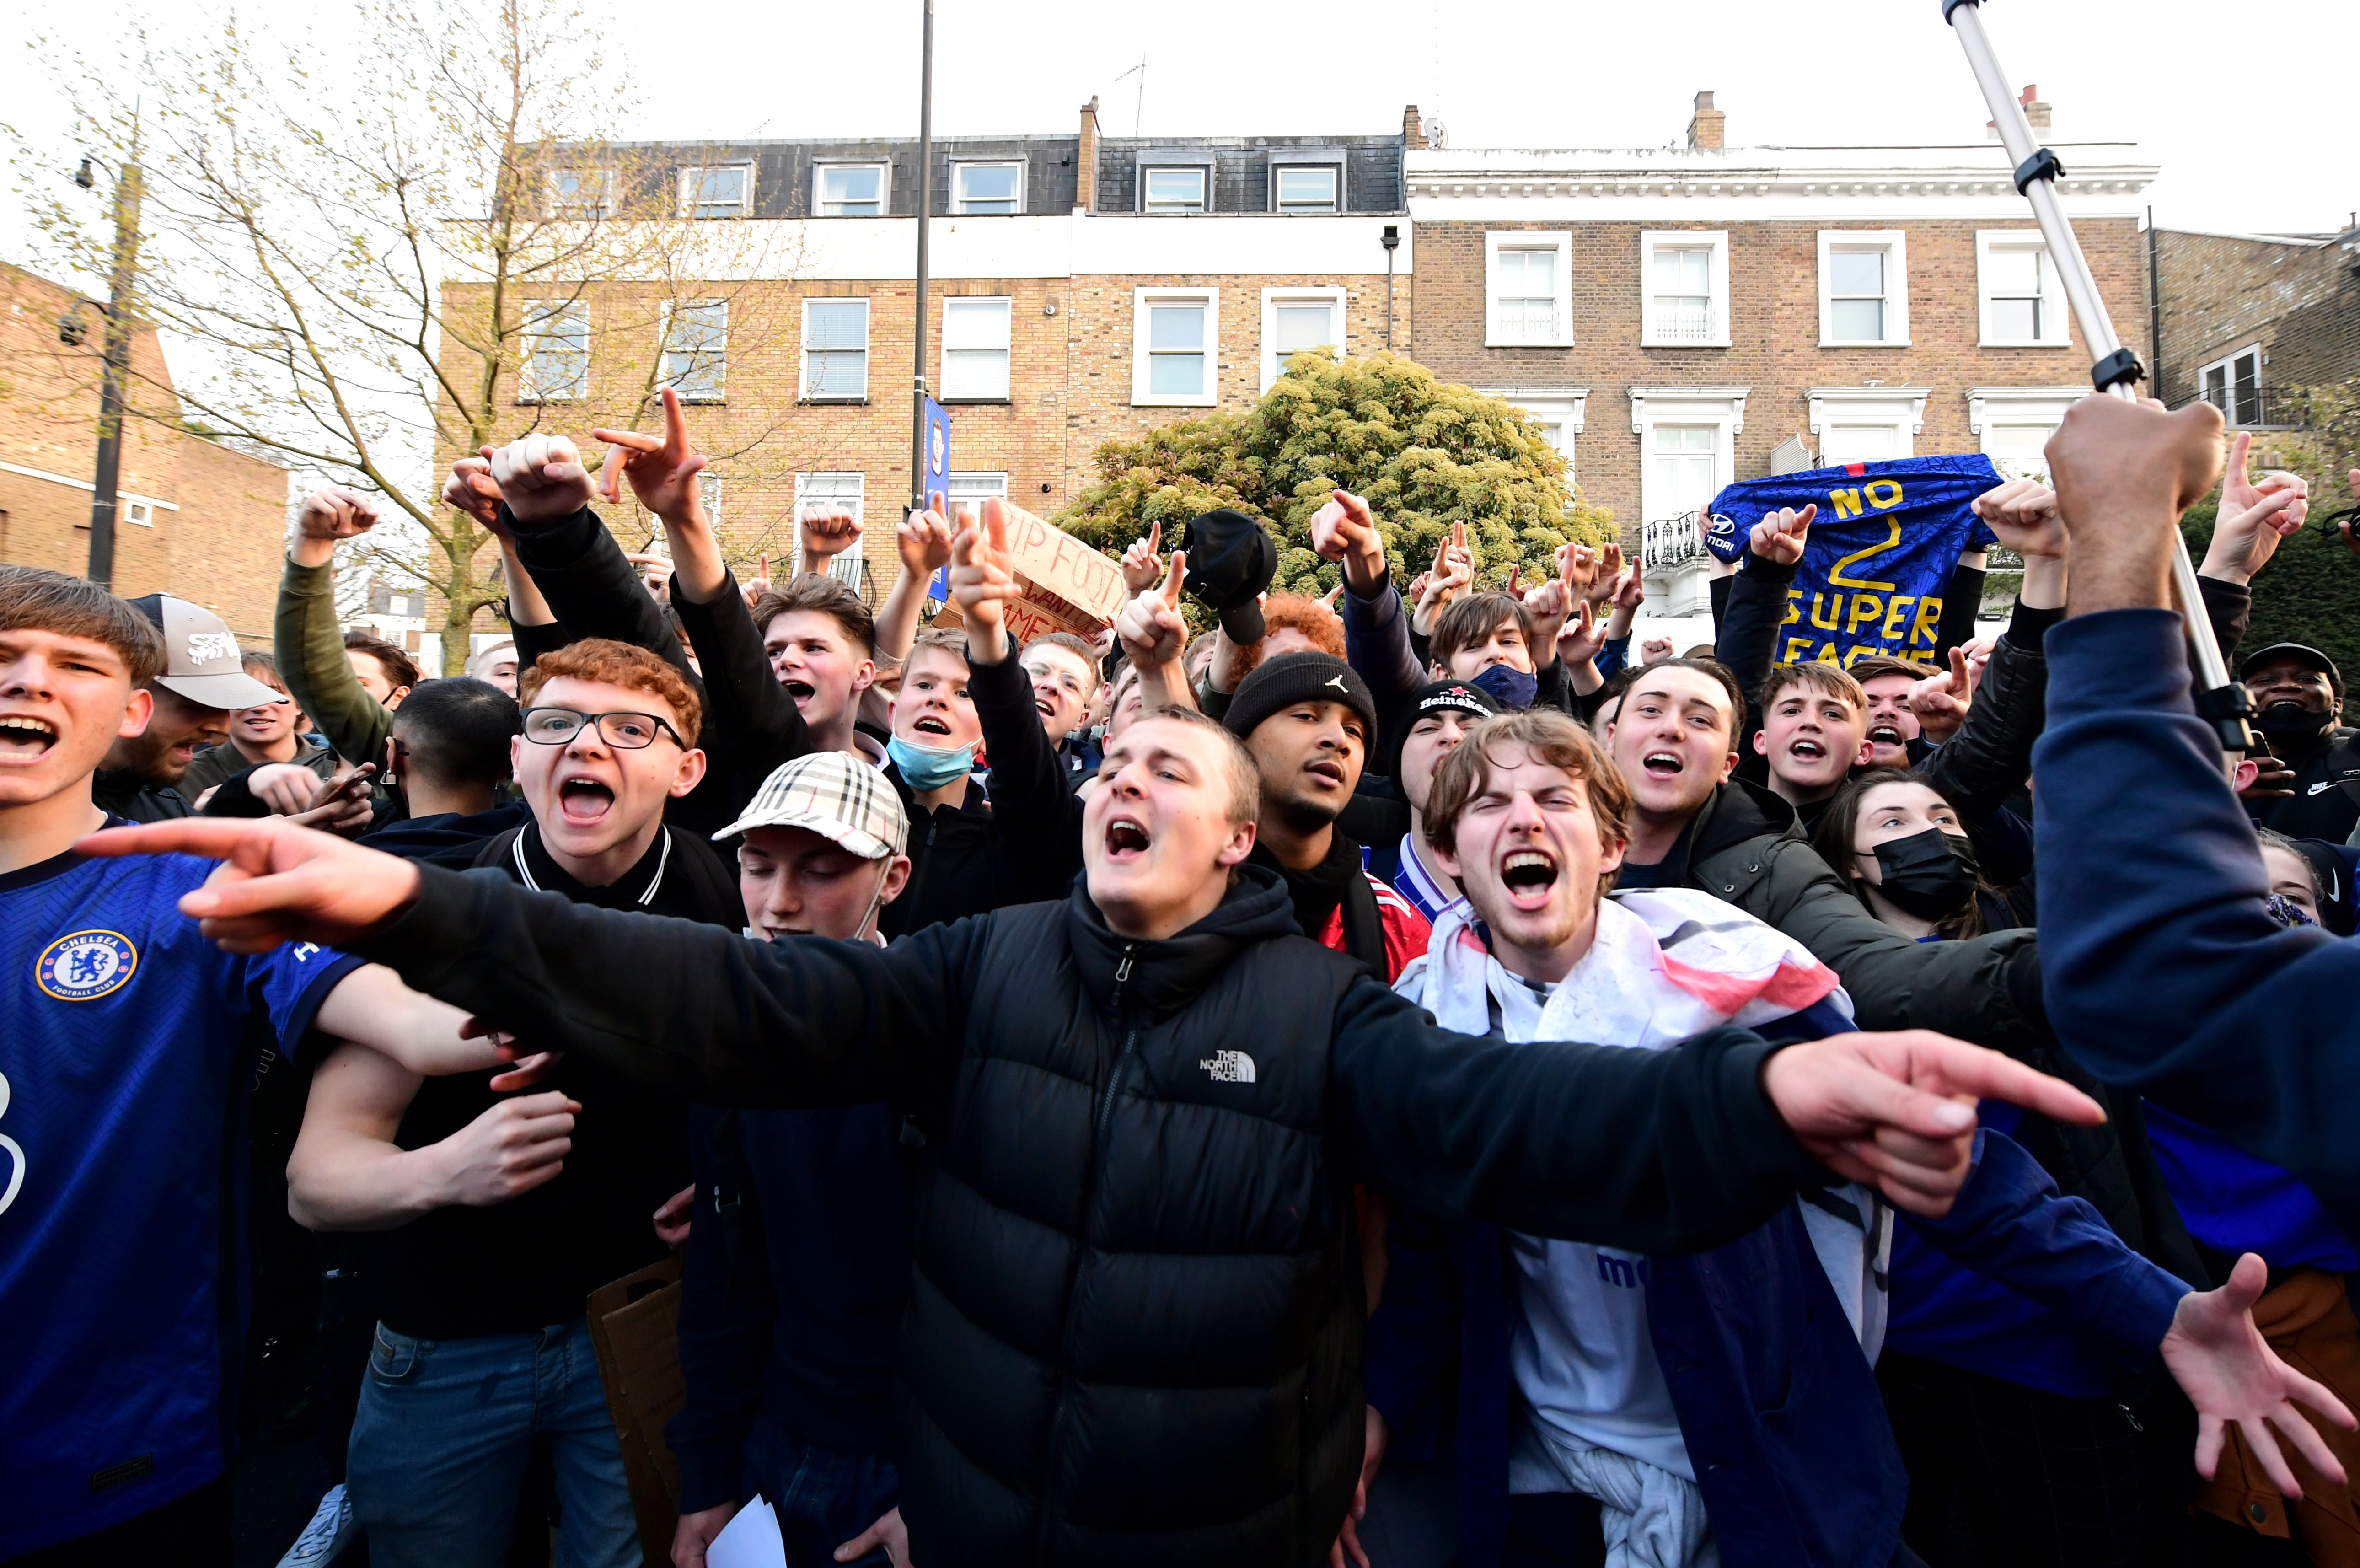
<point x="1136" y="1316"/>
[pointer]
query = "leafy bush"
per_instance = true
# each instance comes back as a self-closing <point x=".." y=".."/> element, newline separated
<point x="1426" y="454"/>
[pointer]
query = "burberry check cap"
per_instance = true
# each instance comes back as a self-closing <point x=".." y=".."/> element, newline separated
<point x="834" y="794"/>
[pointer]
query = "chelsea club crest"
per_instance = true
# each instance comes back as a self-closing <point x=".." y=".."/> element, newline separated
<point x="86" y="965"/>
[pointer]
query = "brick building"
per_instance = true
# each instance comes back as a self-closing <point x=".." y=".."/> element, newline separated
<point x="194" y="518"/>
<point x="2247" y="322"/>
<point x="1084" y="286"/>
<point x="1675" y="313"/>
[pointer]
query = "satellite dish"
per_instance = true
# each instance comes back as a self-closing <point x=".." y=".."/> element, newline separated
<point x="1437" y="134"/>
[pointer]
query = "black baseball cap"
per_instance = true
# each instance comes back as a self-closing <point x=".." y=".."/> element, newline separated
<point x="2300" y="653"/>
<point x="1232" y="561"/>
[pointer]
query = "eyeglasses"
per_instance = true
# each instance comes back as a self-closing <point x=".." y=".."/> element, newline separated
<point x="624" y="731"/>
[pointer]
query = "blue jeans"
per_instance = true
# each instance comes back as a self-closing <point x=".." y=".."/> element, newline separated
<point x="441" y="1438"/>
<point x="824" y="1497"/>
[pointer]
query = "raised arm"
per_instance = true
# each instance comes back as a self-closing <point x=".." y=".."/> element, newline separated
<point x="1748" y="639"/>
<point x="2162" y="968"/>
<point x="1038" y="817"/>
<point x="545" y="494"/>
<point x="923" y="540"/>
<point x="309" y="644"/>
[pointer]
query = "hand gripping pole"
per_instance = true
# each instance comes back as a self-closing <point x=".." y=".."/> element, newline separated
<point x="2115" y="370"/>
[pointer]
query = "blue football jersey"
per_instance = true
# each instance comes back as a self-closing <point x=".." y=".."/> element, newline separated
<point x="126" y="1054"/>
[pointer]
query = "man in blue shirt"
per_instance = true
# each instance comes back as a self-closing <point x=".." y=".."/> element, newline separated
<point x="125" y="1067"/>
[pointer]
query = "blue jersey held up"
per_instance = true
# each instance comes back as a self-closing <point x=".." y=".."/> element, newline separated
<point x="126" y="1054"/>
<point x="1880" y="553"/>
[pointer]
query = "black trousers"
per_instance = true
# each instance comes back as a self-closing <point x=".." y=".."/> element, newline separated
<point x="190" y="1532"/>
<point x="2005" y="1474"/>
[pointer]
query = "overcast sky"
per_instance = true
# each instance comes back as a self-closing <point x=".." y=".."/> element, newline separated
<point x="2199" y="97"/>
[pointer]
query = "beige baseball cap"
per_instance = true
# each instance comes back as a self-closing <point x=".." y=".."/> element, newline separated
<point x="203" y="660"/>
<point x="835" y="795"/>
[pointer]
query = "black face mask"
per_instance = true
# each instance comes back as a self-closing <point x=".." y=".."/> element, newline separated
<point x="1930" y="874"/>
<point x="2284" y="724"/>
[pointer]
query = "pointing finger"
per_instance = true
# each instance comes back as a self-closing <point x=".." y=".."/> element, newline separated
<point x="1154" y="536"/>
<point x="995" y="522"/>
<point x="2239" y="448"/>
<point x="1177" y="580"/>
<point x="675" y="423"/>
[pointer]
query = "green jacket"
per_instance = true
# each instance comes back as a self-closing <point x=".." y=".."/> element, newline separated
<point x="311" y="652"/>
<point x="1745" y="847"/>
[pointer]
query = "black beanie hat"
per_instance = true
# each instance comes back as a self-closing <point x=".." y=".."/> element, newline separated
<point x="1231" y="561"/>
<point x="1298" y="678"/>
<point x="1463" y="695"/>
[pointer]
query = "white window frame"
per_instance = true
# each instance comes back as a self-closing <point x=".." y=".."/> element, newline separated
<point x="1142" y="300"/>
<point x="803" y="383"/>
<point x="1332" y="296"/>
<point x="1902" y="409"/>
<point x="601" y="206"/>
<point x="1497" y="332"/>
<point x="1335" y="203"/>
<point x="884" y="186"/>
<point x="975" y="487"/>
<point x="846" y="566"/>
<point x="1650" y="406"/>
<point x="139" y="511"/>
<point x="2056" y="319"/>
<point x="1990" y="408"/>
<point x="539" y="312"/>
<point x="719" y="392"/>
<point x="958" y="175"/>
<point x="1895" y="243"/>
<point x="689" y="199"/>
<point x="1204" y="172"/>
<point x="2230" y="409"/>
<point x="1007" y="349"/>
<point x="1715" y="241"/>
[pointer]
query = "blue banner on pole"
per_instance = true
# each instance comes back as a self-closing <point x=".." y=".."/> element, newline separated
<point x="1880" y="554"/>
<point x="936" y="489"/>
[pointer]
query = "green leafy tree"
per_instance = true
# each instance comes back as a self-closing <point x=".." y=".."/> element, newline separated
<point x="1426" y="454"/>
<point x="2309" y="591"/>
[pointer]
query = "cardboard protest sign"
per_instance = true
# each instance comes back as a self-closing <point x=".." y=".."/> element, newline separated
<point x="1065" y="585"/>
<point x="1880" y="554"/>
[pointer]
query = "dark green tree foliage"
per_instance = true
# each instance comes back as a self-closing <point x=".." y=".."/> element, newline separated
<point x="2309" y="593"/>
<point x="1426" y="454"/>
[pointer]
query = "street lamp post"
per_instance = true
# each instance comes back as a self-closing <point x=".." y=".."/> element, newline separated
<point x="1391" y="240"/>
<point x="926" y="215"/>
<point x="112" y="385"/>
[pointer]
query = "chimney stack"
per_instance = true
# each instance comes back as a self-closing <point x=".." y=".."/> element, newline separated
<point x="1413" y="128"/>
<point x="1085" y="159"/>
<point x="2035" y="114"/>
<point x="1705" y="126"/>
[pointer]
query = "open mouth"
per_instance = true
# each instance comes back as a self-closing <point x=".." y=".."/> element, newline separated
<point x="1043" y="707"/>
<point x="930" y="724"/>
<point x="1528" y="875"/>
<point x="1663" y="765"/>
<point x="583" y="801"/>
<point x="23" y="736"/>
<point x="801" y="691"/>
<point x="1127" y="840"/>
<point x="1886" y="735"/>
<point x="1323" y="768"/>
<point x="1806" y="751"/>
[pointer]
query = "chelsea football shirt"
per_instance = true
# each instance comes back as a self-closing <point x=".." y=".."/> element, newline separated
<point x="126" y="1057"/>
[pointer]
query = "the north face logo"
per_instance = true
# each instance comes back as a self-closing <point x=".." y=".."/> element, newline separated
<point x="1229" y="1067"/>
<point x="206" y="646"/>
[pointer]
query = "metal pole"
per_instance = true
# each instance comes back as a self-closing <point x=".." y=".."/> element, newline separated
<point x="1389" y="301"/>
<point x="113" y="385"/>
<point x="2154" y="307"/>
<point x="925" y="220"/>
<point x="2114" y="368"/>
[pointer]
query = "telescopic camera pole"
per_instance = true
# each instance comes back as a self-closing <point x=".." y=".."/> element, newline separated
<point x="2115" y="370"/>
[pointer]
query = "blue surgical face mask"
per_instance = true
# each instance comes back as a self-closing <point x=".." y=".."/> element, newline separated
<point x="1508" y="686"/>
<point x="925" y="768"/>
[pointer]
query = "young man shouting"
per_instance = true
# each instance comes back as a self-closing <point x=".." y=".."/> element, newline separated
<point x="1135" y="1255"/>
<point x="507" y="1212"/>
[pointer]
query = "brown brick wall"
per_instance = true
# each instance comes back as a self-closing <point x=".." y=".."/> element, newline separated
<point x="2220" y="293"/>
<point x="221" y="548"/>
<point x="1069" y="381"/>
<point x="1774" y="331"/>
